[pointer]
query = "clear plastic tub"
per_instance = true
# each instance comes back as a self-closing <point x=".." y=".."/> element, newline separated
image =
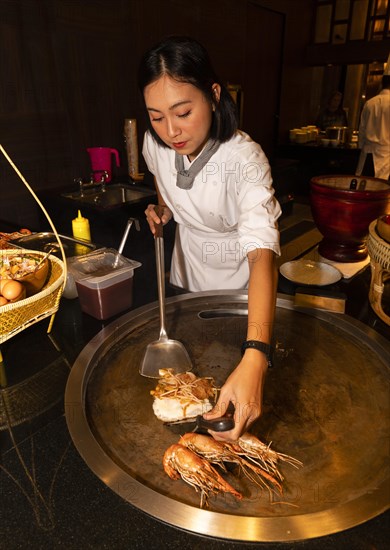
<point x="104" y="282"/>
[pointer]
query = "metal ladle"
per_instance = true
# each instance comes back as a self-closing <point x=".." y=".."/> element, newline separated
<point x="124" y="238"/>
<point x="163" y="353"/>
<point x="44" y="258"/>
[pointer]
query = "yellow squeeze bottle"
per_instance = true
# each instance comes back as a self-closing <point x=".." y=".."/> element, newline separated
<point x="80" y="227"/>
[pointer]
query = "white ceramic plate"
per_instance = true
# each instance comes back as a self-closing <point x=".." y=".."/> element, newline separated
<point x="307" y="272"/>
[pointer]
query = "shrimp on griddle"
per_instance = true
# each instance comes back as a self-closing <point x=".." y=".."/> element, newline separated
<point x="218" y="452"/>
<point x="209" y="448"/>
<point x="179" y="461"/>
<point x="260" y="454"/>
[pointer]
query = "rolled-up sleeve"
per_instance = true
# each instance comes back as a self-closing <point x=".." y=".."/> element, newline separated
<point x="258" y="209"/>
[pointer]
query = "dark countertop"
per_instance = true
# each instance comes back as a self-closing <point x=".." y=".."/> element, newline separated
<point x="50" y="498"/>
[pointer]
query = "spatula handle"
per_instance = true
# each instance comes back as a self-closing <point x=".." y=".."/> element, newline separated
<point x="159" y="226"/>
<point x="220" y="424"/>
<point x="160" y="265"/>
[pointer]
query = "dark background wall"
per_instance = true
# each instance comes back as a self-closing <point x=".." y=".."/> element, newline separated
<point x="68" y="77"/>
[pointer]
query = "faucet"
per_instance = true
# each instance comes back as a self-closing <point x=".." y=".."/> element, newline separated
<point x="84" y="184"/>
<point x="92" y="183"/>
<point x="80" y="183"/>
<point x="103" y="179"/>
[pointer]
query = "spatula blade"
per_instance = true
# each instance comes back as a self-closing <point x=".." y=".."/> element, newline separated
<point x="164" y="354"/>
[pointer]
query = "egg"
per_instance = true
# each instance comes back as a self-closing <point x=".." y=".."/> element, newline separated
<point x="13" y="290"/>
<point x="3" y="301"/>
<point x="3" y="282"/>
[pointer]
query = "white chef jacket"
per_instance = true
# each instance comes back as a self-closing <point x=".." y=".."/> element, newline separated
<point x="230" y="210"/>
<point x="374" y="132"/>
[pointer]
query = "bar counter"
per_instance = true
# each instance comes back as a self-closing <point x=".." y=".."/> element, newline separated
<point x="50" y="498"/>
<point x="314" y="159"/>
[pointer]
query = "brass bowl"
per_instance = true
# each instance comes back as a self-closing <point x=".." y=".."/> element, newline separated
<point x="34" y="282"/>
<point x="32" y="276"/>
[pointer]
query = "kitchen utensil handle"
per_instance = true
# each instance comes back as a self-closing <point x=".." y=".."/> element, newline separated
<point x="160" y="263"/>
<point x="161" y="283"/>
<point x="159" y="226"/>
<point x="126" y="233"/>
<point x="116" y="155"/>
<point x="220" y="424"/>
<point x="43" y="258"/>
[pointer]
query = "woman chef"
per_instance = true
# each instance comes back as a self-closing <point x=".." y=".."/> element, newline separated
<point x="216" y="184"/>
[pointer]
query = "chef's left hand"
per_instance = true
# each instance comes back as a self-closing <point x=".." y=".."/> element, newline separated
<point x="243" y="388"/>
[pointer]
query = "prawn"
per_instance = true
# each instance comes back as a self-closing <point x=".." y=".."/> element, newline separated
<point x="181" y="462"/>
<point x="260" y="454"/>
<point x="218" y="452"/>
<point x="209" y="448"/>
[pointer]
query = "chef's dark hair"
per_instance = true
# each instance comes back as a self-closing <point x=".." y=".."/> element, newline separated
<point x="186" y="60"/>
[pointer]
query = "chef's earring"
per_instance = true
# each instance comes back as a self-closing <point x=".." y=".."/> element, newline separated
<point x="215" y="92"/>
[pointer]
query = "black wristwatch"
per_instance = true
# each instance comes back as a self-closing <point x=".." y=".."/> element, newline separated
<point x="260" y="346"/>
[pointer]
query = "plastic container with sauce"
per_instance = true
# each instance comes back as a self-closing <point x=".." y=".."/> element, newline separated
<point x="80" y="228"/>
<point x="104" y="282"/>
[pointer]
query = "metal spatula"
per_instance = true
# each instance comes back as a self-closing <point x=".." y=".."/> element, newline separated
<point x="163" y="353"/>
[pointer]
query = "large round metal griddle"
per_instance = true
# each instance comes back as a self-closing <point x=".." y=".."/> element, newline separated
<point x="326" y="402"/>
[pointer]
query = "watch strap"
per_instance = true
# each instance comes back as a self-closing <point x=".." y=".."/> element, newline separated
<point x="260" y="346"/>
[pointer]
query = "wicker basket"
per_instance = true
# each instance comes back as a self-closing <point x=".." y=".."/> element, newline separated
<point x="16" y="317"/>
<point x="379" y="251"/>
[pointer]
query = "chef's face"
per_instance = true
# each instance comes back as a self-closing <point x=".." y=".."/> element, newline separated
<point x="180" y="114"/>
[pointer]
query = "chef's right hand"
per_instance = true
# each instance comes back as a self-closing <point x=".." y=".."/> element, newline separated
<point x="153" y="219"/>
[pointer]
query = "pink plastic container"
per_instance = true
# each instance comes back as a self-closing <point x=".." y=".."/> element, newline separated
<point x="101" y="161"/>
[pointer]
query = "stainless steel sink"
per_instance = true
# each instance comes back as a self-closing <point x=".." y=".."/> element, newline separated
<point x="112" y="196"/>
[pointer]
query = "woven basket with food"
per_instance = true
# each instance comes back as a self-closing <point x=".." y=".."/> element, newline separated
<point x="31" y="286"/>
<point x="31" y="282"/>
